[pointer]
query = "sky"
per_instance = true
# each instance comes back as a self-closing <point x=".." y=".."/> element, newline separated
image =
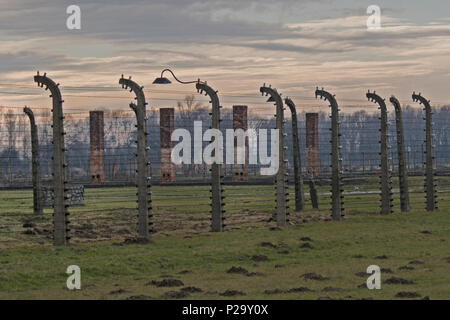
<point x="234" y="45"/>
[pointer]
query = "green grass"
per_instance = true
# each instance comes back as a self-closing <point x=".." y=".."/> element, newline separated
<point x="30" y="268"/>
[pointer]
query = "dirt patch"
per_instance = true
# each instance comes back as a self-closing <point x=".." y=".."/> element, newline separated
<point x="395" y="280"/>
<point x="406" y="268"/>
<point x="383" y="257"/>
<point x="119" y="291"/>
<point x="278" y="266"/>
<point x="274" y="291"/>
<point x="232" y="293"/>
<point x="407" y="295"/>
<point x="267" y="245"/>
<point x="358" y="256"/>
<point x="300" y="289"/>
<point x="416" y="262"/>
<point x="238" y="270"/>
<point x="425" y="232"/>
<point x="191" y="289"/>
<point x="136" y="241"/>
<point x="255" y="274"/>
<point x="284" y="252"/>
<point x="306" y="239"/>
<point x="361" y="274"/>
<point x="29" y="225"/>
<point x="314" y="276"/>
<point x="166" y="283"/>
<point x="139" y="297"/>
<point x="259" y="258"/>
<point x="176" y="294"/>
<point x="363" y="286"/>
<point x="306" y="246"/>
<point x="386" y="270"/>
<point x="185" y="272"/>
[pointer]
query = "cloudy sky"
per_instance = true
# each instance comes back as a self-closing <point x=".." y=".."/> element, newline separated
<point x="235" y="45"/>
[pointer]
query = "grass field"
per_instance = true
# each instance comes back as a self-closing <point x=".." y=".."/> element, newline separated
<point x="312" y="258"/>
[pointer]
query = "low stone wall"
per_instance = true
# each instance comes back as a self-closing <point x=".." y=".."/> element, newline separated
<point x="75" y="195"/>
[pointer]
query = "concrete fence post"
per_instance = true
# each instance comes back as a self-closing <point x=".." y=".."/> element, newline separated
<point x="401" y="150"/>
<point x="217" y="191"/>
<point x="298" y="179"/>
<point x="145" y="224"/>
<point x="430" y="185"/>
<point x="61" y="230"/>
<point x="336" y="160"/>
<point x="35" y="166"/>
<point x="282" y="214"/>
<point x="386" y="181"/>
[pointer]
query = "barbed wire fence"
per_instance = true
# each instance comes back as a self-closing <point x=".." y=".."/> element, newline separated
<point x="106" y="209"/>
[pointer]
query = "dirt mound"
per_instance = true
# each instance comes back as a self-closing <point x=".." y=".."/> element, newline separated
<point x="314" y="276"/>
<point x="259" y="258"/>
<point x="267" y="245"/>
<point x="231" y="293"/>
<point x="255" y="274"/>
<point x="166" y="283"/>
<point x="407" y="295"/>
<point x="274" y="291"/>
<point x="139" y="297"/>
<point x="416" y="262"/>
<point x="238" y="270"/>
<point x="191" y="289"/>
<point x="383" y="257"/>
<point x="386" y="270"/>
<point x="137" y="241"/>
<point x="306" y="246"/>
<point x="395" y="280"/>
<point x="306" y="239"/>
<point x="425" y="232"/>
<point x="300" y="289"/>
<point x="406" y="268"/>
<point x="119" y="291"/>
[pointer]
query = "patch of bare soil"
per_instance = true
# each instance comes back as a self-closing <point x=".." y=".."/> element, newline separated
<point x="416" y="262"/>
<point x="383" y="257"/>
<point x="406" y="268"/>
<point x="386" y="270"/>
<point x="259" y="258"/>
<point x="361" y="274"/>
<point x="185" y="272"/>
<point x="255" y="274"/>
<point x="166" y="283"/>
<point x="137" y="241"/>
<point x="396" y="280"/>
<point x="238" y="270"/>
<point x="139" y="297"/>
<point x="306" y="239"/>
<point x="407" y="295"/>
<point x="267" y="245"/>
<point x="176" y="294"/>
<point x="232" y="293"/>
<point x="306" y="246"/>
<point x="191" y="289"/>
<point x="425" y="232"/>
<point x="300" y="289"/>
<point x="118" y="291"/>
<point x="314" y="276"/>
<point x="273" y="291"/>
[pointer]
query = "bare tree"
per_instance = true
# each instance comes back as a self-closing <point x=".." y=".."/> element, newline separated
<point x="188" y="106"/>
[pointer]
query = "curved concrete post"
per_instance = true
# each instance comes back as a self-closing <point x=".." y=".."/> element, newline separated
<point x="336" y="160"/>
<point x="281" y="177"/>
<point x="60" y="216"/>
<point x="386" y="182"/>
<point x="401" y="150"/>
<point x="298" y="179"/>
<point x="217" y="197"/>
<point x="145" y="224"/>
<point x="429" y="176"/>
<point x="35" y="166"/>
